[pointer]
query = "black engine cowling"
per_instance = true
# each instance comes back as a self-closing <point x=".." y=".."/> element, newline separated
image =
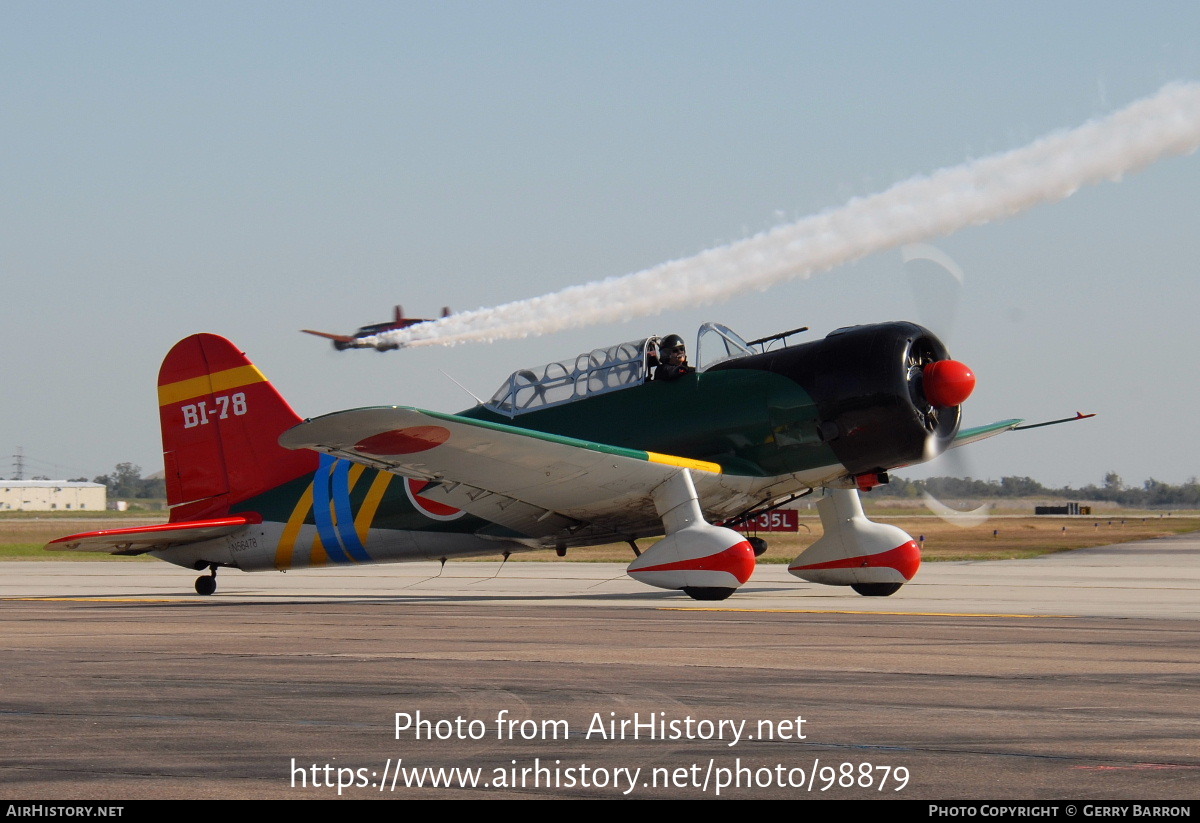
<point x="868" y="383"/>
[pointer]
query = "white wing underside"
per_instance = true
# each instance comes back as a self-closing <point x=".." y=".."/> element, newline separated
<point x="554" y="489"/>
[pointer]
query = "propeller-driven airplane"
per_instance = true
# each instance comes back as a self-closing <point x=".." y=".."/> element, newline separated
<point x="341" y="342"/>
<point x="581" y="452"/>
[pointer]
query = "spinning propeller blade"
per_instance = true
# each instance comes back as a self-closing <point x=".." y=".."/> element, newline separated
<point x="937" y="282"/>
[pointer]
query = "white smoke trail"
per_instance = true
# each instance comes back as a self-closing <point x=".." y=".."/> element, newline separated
<point x="1049" y="169"/>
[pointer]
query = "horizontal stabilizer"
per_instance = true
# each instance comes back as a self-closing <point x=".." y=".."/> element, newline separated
<point x="142" y="539"/>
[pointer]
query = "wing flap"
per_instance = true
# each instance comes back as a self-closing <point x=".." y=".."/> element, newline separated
<point x="504" y="510"/>
<point x="141" y="539"/>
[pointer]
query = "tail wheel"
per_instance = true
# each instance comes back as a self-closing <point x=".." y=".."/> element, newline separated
<point x="207" y="584"/>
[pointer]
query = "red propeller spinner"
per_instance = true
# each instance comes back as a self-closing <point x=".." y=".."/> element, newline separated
<point x="947" y="383"/>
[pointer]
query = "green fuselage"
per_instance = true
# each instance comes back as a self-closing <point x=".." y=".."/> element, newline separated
<point x="751" y="422"/>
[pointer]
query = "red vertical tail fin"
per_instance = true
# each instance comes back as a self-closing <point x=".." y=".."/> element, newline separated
<point x="221" y="421"/>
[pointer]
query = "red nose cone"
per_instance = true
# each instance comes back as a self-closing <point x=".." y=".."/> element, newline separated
<point x="948" y="383"/>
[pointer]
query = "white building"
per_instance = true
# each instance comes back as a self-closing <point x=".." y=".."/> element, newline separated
<point x="52" y="495"/>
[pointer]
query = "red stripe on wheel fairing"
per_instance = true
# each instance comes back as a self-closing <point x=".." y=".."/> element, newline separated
<point x="738" y="560"/>
<point x="905" y="559"/>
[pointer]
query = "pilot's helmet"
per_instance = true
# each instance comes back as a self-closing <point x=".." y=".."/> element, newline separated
<point x="671" y="343"/>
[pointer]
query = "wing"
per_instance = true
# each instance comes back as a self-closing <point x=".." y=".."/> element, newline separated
<point x="534" y="483"/>
<point x="974" y="435"/>
<point x="142" y="539"/>
<point x="341" y="338"/>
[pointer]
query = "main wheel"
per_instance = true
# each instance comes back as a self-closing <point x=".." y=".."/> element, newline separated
<point x="876" y="589"/>
<point x="758" y="544"/>
<point x="206" y="584"/>
<point x="707" y="592"/>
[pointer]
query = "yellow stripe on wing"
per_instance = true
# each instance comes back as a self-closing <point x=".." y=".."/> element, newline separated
<point x="683" y="462"/>
<point x="234" y="378"/>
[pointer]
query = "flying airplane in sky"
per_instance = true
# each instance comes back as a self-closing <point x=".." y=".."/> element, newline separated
<point x="621" y="443"/>
<point x="341" y="342"/>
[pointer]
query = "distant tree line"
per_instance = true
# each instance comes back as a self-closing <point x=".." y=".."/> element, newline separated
<point x="1150" y="493"/>
<point x="125" y="482"/>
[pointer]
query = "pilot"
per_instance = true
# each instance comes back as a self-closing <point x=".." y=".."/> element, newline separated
<point x="674" y="364"/>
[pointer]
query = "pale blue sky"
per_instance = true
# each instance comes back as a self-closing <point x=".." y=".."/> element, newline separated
<point x="251" y="169"/>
